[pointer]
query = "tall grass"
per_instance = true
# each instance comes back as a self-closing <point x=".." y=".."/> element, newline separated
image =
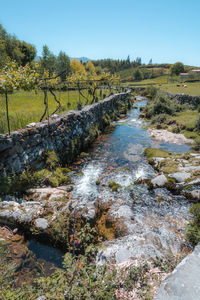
<point x="27" y="107"/>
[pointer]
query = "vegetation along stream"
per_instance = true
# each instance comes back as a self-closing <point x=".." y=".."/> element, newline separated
<point x="152" y="222"/>
<point x="137" y="223"/>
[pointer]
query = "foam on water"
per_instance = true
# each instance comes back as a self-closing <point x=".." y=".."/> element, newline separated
<point x="85" y="185"/>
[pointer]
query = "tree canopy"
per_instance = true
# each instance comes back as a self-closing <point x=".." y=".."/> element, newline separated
<point x="12" y="49"/>
<point x="177" y="68"/>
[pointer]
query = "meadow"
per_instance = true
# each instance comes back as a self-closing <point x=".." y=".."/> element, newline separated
<point x="26" y="107"/>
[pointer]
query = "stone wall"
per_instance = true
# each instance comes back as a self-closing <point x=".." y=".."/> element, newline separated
<point x="183" y="98"/>
<point x="67" y="134"/>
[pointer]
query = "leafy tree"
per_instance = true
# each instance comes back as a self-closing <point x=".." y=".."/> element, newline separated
<point x="63" y="65"/>
<point x="138" y="75"/>
<point x="13" y="77"/>
<point x="177" y="68"/>
<point x="12" y="49"/>
<point x="4" y="58"/>
<point x="28" y="51"/>
<point x="48" y="61"/>
<point x="90" y="68"/>
<point x="77" y="67"/>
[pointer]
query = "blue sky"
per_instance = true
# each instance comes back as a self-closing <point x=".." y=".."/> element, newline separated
<point x="164" y="30"/>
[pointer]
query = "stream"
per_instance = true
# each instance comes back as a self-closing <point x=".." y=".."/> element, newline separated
<point x="154" y="220"/>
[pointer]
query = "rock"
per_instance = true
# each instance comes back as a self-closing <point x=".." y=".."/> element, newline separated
<point x="41" y="298"/>
<point x="184" y="282"/>
<point x="122" y="255"/>
<point x="195" y="194"/>
<point x="180" y="176"/>
<point x="46" y="193"/>
<point x="169" y="137"/>
<point x="89" y="212"/>
<point x="190" y="168"/>
<point x="159" y="180"/>
<point x="9" y="198"/>
<point x="157" y="160"/>
<point x="41" y="223"/>
<point x="31" y="125"/>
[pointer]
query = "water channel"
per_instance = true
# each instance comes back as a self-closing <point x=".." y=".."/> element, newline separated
<point x="155" y="220"/>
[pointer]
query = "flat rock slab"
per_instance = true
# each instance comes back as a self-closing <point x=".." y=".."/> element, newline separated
<point x="180" y="176"/>
<point x="184" y="282"/>
<point x="167" y="136"/>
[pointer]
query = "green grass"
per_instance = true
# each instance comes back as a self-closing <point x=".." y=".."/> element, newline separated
<point x="162" y="82"/>
<point x="186" y="118"/>
<point x="193" y="88"/>
<point x="27" y="107"/>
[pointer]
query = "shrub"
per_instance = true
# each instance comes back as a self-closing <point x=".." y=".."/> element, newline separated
<point x="193" y="229"/>
<point x="198" y="123"/>
<point x="196" y="144"/>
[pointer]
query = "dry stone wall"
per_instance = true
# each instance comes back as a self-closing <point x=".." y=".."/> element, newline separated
<point x="67" y="134"/>
<point x="183" y="98"/>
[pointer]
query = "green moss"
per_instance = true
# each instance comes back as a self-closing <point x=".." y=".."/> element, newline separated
<point x="159" y="199"/>
<point x="168" y="166"/>
<point x="51" y="160"/>
<point x="122" y="169"/>
<point x="171" y="179"/>
<point x="154" y="152"/>
<point x="84" y="154"/>
<point x="114" y="186"/>
<point x="58" y="177"/>
<point x="187" y="187"/>
<point x="78" y="174"/>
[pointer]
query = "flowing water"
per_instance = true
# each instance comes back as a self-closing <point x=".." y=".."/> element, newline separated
<point x="155" y="220"/>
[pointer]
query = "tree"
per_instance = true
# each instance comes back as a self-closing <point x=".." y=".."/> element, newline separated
<point x="63" y="65"/>
<point x="48" y="61"/>
<point x="138" y="61"/>
<point x="90" y="68"/>
<point x="177" y="68"/>
<point x="13" y="77"/>
<point x="150" y="62"/>
<point x="28" y="51"/>
<point x="137" y="75"/>
<point x="12" y="49"/>
<point x="77" y="67"/>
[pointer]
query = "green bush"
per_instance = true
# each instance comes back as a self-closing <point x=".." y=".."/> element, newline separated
<point x="193" y="228"/>
<point x="196" y="144"/>
<point x="198" y="124"/>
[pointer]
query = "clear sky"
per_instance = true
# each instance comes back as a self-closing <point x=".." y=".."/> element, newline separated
<point x="164" y="30"/>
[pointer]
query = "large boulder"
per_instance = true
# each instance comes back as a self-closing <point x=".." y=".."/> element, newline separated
<point x="184" y="282"/>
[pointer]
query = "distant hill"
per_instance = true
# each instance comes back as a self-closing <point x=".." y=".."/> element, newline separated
<point x="83" y="59"/>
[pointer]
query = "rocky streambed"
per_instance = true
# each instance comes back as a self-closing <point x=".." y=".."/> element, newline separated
<point x="127" y="196"/>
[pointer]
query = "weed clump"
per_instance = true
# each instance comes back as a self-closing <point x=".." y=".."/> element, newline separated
<point x="114" y="186"/>
<point x="193" y="228"/>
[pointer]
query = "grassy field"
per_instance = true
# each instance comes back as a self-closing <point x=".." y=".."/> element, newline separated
<point x="191" y="89"/>
<point x="27" y="107"/>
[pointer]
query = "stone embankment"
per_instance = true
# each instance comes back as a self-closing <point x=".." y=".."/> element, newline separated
<point x="66" y="134"/>
<point x="184" y="98"/>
